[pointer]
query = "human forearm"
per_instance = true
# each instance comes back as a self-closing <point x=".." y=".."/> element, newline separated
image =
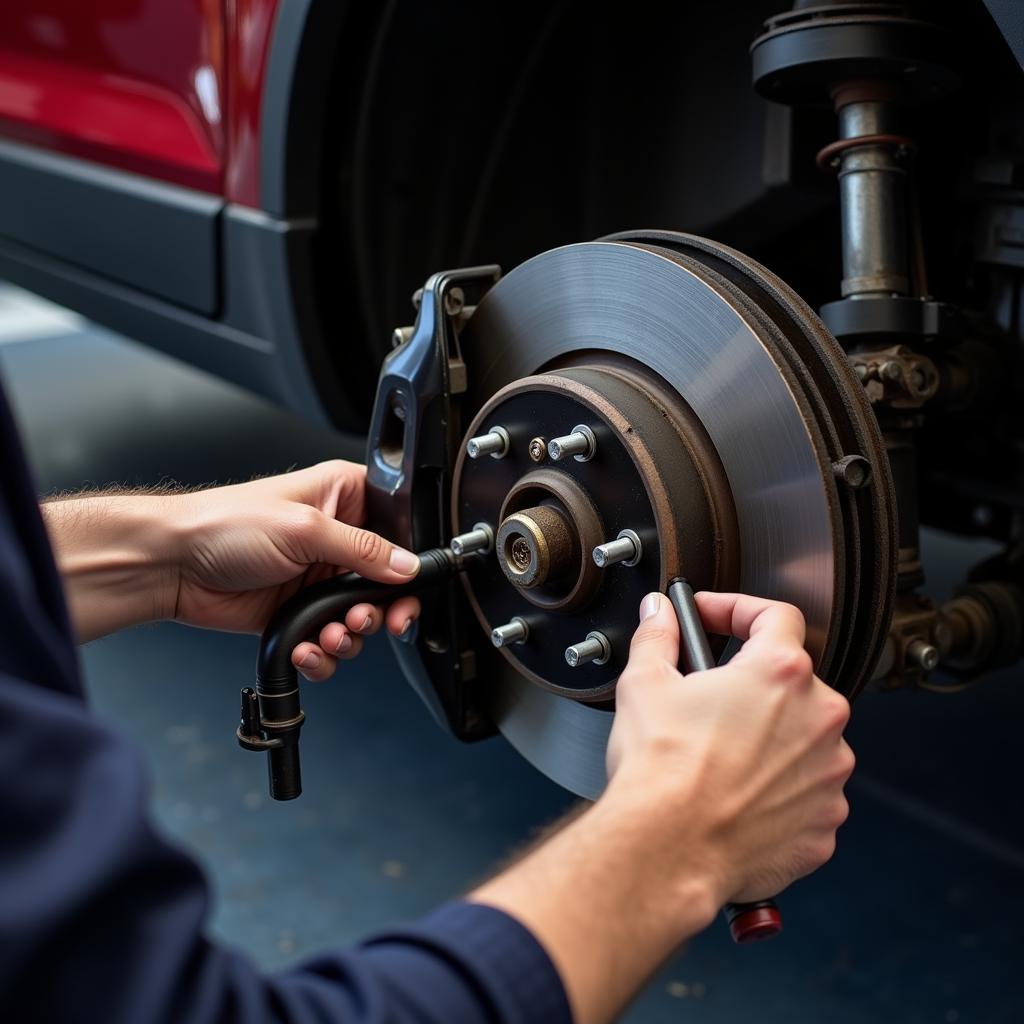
<point x="227" y="557"/>
<point x="118" y="557"/>
<point x="609" y="900"/>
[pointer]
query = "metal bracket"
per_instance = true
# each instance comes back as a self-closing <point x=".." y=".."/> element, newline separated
<point x="414" y="433"/>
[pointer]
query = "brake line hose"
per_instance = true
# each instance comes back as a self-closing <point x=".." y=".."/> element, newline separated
<point x="272" y="715"/>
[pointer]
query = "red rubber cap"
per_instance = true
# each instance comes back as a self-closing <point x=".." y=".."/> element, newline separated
<point x="756" y="924"/>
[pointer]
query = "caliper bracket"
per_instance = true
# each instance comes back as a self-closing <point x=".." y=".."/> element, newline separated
<point x="414" y="434"/>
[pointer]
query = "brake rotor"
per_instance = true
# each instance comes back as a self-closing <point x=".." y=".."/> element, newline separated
<point x="720" y="408"/>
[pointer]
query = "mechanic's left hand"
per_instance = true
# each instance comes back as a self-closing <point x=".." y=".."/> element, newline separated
<point x="248" y="547"/>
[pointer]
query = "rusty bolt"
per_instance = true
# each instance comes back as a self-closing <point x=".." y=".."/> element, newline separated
<point x="891" y="370"/>
<point x="853" y="470"/>
<point x="538" y="449"/>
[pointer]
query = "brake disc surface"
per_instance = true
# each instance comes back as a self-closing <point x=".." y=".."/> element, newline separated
<point x="655" y="307"/>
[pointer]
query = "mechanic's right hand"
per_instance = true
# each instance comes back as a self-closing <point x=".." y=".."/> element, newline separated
<point x="746" y="761"/>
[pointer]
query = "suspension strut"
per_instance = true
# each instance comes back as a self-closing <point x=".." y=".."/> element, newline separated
<point x="873" y="60"/>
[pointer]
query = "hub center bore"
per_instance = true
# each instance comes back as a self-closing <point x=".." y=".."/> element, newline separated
<point x="521" y="554"/>
<point x="537" y="546"/>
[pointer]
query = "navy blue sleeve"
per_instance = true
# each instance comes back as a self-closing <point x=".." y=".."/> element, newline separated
<point x="102" y="920"/>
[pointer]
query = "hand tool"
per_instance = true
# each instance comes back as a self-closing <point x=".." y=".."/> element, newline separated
<point x="748" y="922"/>
<point x="272" y="714"/>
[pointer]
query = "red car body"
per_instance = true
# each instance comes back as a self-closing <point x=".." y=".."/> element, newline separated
<point x="145" y="185"/>
<point x="171" y="91"/>
<point x="257" y="186"/>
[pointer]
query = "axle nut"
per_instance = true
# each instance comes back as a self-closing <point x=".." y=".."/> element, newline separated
<point x="535" y="546"/>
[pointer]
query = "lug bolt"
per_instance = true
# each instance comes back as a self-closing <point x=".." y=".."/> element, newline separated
<point x="595" y="648"/>
<point x="538" y="449"/>
<point x="493" y="443"/>
<point x="923" y="655"/>
<point x="515" y="631"/>
<point x="480" y="538"/>
<point x="581" y="444"/>
<point x="625" y="549"/>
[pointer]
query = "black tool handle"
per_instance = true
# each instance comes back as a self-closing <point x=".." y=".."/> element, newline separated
<point x="748" y="922"/>
<point x="272" y="715"/>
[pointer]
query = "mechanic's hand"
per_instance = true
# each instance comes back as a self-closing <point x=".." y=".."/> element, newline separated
<point x="748" y="759"/>
<point x="248" y="547"/>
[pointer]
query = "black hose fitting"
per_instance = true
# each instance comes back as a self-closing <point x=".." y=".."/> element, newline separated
<point x="272" y="713"/>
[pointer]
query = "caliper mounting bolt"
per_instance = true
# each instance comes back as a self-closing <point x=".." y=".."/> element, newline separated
<point x="626" y="548"/>
<point x="581" y="444"/>
<point x="480" y="539"/>
<point x="493" y="443"/>
<point x="595" y="648"/>
<point x="515" y="631"/>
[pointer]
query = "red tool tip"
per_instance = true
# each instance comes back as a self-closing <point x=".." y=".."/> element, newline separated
<point x="760" y="922"/>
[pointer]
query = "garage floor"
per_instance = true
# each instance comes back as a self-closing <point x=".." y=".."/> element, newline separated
<point x="918" y="919"/>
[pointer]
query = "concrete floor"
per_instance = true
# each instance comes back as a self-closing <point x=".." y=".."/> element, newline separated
<point x="916" y="920"/>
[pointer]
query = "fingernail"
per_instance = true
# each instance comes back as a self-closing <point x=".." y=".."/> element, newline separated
<point x="650" y="607"/>
<point x="311" y="660"/>
<point x="405" y="563"/>
<point x="406" y="626"/>
<point x="344" y="644"/>
<point x="365" y="624"/>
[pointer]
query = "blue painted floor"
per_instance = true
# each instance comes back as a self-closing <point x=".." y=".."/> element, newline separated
<point x="917" y="920"/>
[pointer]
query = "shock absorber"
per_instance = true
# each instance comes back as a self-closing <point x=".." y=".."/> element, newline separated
<point x="873" y="61"/>
<point x="871" y="159"/>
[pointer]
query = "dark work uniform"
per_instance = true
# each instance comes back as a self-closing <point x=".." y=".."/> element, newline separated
<point x="102" y="920"/>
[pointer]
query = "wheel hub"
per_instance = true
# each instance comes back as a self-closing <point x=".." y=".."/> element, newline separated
<point x="652" y="473"/>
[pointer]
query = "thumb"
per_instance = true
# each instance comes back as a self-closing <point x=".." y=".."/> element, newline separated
<point x="364" y="552"/>
<point x="657" y="637"/>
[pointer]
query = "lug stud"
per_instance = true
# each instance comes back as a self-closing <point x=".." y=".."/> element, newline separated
<point x="479" y="539"/>
<point x="595" y="648"/>
<point x="626" y="548"/>
<point x="515" y="631"/>
<point x="581" y="444"/>
<point x="493" y="443"/>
